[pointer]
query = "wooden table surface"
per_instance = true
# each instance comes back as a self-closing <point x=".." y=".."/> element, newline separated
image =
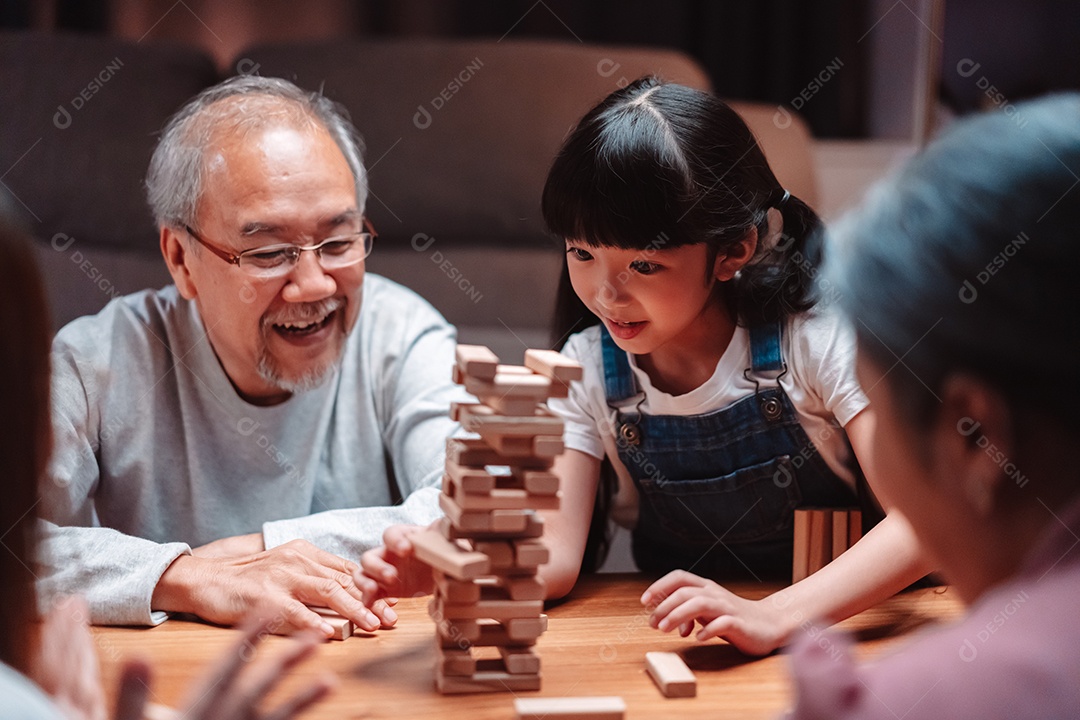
<point x="595" y="645"/>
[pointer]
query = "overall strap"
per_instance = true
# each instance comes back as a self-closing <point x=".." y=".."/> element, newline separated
<point x="765" y="355"/>
<point x="619" y="381"/>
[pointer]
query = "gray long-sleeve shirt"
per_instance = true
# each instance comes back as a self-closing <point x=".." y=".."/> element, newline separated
<point x="156" y="453"/>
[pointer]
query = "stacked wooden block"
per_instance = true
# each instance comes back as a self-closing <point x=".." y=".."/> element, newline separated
<point x="821" y="536"/>
<point x="486" y="551"/>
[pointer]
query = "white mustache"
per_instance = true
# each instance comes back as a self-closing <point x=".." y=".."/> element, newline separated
<point x="307" y="312"/>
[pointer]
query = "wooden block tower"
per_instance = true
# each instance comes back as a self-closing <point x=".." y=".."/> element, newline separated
<point x="821" y="536"/>
<point x="488" y="603"/>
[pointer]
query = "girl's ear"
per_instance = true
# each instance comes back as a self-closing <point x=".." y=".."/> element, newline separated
<point x="729" y="263"/>
<point x="972" y="438"/>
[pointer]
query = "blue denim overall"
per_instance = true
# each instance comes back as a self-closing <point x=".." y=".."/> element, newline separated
<point x="718" y="491"/>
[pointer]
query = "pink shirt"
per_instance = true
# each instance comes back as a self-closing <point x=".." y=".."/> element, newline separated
<point x="1015" y="655"/>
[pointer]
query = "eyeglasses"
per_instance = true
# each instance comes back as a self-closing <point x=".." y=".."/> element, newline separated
<point x="272" y="261"/>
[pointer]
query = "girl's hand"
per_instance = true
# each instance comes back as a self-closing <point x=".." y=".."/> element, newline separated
<point x="392" y="570"/>
<point x="681" y="599"/>
<point x="65" y="663"/>
<point x="227" y="691"/>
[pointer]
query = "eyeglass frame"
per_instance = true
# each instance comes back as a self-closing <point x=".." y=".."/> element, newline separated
<point x="234" y="258"/>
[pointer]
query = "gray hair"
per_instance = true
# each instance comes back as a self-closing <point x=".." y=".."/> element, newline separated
<point x="174" y="181"/>
<point x="966" y="261"/>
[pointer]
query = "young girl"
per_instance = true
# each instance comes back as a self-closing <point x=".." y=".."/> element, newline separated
<point x="968" y="257"/>
<point x="712" y="385"/>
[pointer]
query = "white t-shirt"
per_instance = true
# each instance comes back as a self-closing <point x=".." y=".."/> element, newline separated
<point x="818" y="347"/>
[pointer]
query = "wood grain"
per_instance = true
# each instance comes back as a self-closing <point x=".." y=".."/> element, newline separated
<point x="595" y="645"/>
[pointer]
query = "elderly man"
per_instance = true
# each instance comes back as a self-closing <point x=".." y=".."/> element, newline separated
<point x="256" y="410"/>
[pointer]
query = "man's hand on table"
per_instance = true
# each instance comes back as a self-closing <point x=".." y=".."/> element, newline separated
<point x="288" y="578"/>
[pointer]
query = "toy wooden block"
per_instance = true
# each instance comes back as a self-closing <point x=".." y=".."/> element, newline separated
<point x="840" y="522"/>
<point x="469" y="479"/>
<point x="490" y="633"/>
<point x="475" y="453"/>
<point x="523" y="588"/>
<point x="538" y="482"/>
<point x="343" y="627"/>
<point x="671" y="674"/>
<point x="553" y="365"/>
<point x="570" y="708"/>
<point x="520" y="661"/>
<point x="505" y="405"/>
<point x="513" y="386"/>
<point x="854" y="526"/>
<point x="456" y="591"/>
<point x="534" y="528"/>
<point x="820" y="539"/>
<point x="543" y="446"/>
<point x="498" y="498"/>
<point x="800" y="568"/>
<point x="484" y="521"/>
<point x="476" y="361"/>
<point x="487" y="682"/>
<point x="442" y="554"/>
<point x="483" y="420"/>
<point x="491" y="609"/>
<point x="454" y="661"/>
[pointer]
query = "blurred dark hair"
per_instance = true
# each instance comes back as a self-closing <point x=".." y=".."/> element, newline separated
<point x="966" y="260"/>
<point x="25" y="434"/>
<point x="657" y="165"/>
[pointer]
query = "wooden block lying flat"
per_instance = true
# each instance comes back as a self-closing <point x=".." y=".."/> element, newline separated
<point x="539" y="482"/>
<point x="476" y="453"/>
<point x="487" y="682"/>
<point x="482" y="419"/>
<point x="671" y="674"/>
<point x="493" y="609"/>
<point x="432" y="548"/>
<point x="477" y="361"/>
<point x="484" y="521"/>
<point x="512" y="386"/>
<point x="553" y="365"/>
<point x="469" y="479"/>
<point x="520" y="661"/>
<point x="454" y="661"/>
<point x="542" y="446"/>
<point x="456" y="591"/>
<point x="343" y="627"/>
<point x="534" y="528"/>
<point x="506" y="405"/>
<point x="488" y="633"/>
<point x="570" y="708"/>
<point x="801" y="559"/>
<point x="524" y="588"/>
<point x="498" y="498"/>
<point x="500" y="552"/>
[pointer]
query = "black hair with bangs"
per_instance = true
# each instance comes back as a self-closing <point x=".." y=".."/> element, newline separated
<point x="657" y="165"/>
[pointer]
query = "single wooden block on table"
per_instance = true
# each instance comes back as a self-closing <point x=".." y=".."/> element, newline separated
<point x="671" y="674"/>
<point x="570" y="708"/>
<point x="432" y="548"/>
<point x="476" y="361"/>
<point x="343" y="627"/>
